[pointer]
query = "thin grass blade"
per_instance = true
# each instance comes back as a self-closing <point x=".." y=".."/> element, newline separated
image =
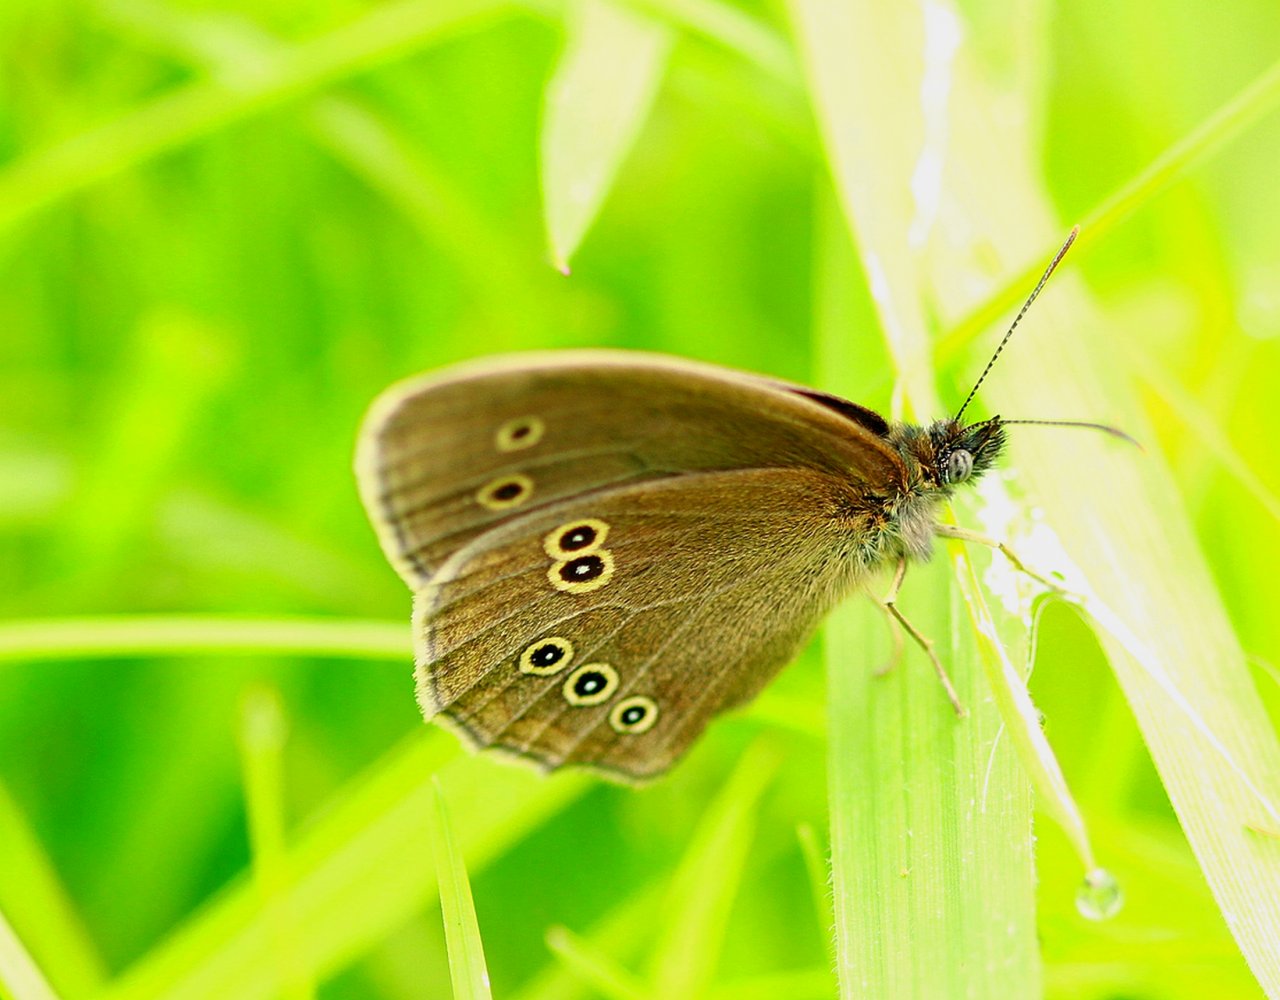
<point x="707" y="880"/>
<point x="593" y="967"/>
<point x="596" y="105"/>
<point x="358" y="873"/>
<point x="461" y="929"/>
<point x="262" y="738"/>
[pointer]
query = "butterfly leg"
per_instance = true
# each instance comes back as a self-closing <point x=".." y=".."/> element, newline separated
<point x="890" y="605"/>
<point x="899" y="643"/>
<point x="965" y="535"/>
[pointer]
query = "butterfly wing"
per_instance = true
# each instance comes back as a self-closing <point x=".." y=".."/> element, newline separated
<point x="683" y="525"/>
<point x="445" y="458"/>
<point x="696" y="591"/>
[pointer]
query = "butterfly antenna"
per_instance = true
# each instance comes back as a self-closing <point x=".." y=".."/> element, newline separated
<point x="1057" y="259"/>
<point x="1115" y="432"/>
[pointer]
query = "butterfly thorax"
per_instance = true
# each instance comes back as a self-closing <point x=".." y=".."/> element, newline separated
<point x="936" y="459"/>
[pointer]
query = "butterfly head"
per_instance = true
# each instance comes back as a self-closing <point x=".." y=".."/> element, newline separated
<point x="963" y="452"/>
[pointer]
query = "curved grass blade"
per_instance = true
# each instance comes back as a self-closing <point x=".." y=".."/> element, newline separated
<point x="1141" y="575"/>
<point x="262" y="737"/>
<point x="359" y="872"/>
<point x="33" y="897"/>
<point x="1253" y="102"/>
<point x="20" y="977"/>
<point x="594" y="967"/>
<point x="188" y="113"/>
<point x="596" y="105"/>
<point x="461" y="930"/>
<point x="706" y="881"/>
<point x="178" y="635"/>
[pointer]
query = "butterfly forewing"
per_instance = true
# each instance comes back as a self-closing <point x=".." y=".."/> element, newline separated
<point x="442" y="460"/>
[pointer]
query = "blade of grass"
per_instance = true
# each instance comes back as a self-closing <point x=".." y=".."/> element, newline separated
<point x="819" y="872"/>
<point x="1020" y="719"/>
<point x="593" y="966"/>
<point x="359" y="872"/>
<point x="461" y="929"/>
<point x="1143" y="577"/>
<point x="731" y="28"/>
<point x="805" y="984"/>
<point x="933" y="894"/>
<point x="1233" y="119"/>
<point x="619" y="934"/>
<point x="178" y="635"/>
<point x="706" y="881"/>
<point x="387" y="32"/>
<point x="33" y="897"/>
<point x="20" y="977"/>
<point x="364" y="141"/>
<point x="596" y="104"/>
<point x="262" y="736"/>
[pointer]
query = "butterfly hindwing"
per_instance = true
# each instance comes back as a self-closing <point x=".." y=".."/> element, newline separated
<point x="694" y="590"/>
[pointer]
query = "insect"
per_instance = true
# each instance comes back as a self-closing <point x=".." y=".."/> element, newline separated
<point x="607" y="549"/>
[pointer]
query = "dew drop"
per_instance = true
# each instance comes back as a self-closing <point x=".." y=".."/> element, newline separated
<point x="1099" y="896"/>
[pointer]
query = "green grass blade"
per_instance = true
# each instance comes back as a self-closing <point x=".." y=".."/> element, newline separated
<point x="818" y="869"/>
<point x="262" y="737"/>
<point x="732" y="28"/>
<point x="387" y="32"/>
<point x="593" y="967"/>
<point x="33" y="897"/>
<point x="20" y="977"/>
<point x="181" y="635"/>
<point x="461" y="929"/>
<point x="620" y="935"/>
<point x="1234" y="118"/>
<point x="596" y="105"/>
<point x="1141" y="572"/>
<point x="931" y="824"/>
<point x="1021" y="720"/>
<point x="706" y="881"/>
<point x="358" y="873"/>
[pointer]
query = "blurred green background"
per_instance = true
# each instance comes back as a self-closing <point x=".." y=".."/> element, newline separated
<point x="225" y="227"/>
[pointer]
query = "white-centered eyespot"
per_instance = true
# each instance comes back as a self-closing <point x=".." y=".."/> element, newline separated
<point x="590" y="684"/>
<point x="522" y="432"/>
<point x="582" y="574"/>
<point x="576" y="538"/>
<point x="546" y="656"/>
<point x="505" y="492"/>
<point x="634" y="715"/>
<point x="959" y="465"/>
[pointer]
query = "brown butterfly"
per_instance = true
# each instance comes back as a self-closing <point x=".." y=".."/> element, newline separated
<point x="607" y="549"/>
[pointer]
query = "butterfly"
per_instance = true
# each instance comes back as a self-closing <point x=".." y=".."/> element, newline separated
<point x="607" y="548"/>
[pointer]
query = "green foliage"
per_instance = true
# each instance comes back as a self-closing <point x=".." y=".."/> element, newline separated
<point x="223" y="229"/>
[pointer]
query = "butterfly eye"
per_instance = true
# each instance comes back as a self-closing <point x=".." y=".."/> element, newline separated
<point x="634" y="715"/>
<point x="582" y="574"/>
<point x="575" y="538"/>
<point x="590" y="684"/>
<point x="959" y="465"/>
<point x="505" y="492"/>
<point x="523" y="432"/>
<point x="546" y="656"/>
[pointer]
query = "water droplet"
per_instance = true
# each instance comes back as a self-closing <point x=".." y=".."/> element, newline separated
<point x="1099" y="896"/>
